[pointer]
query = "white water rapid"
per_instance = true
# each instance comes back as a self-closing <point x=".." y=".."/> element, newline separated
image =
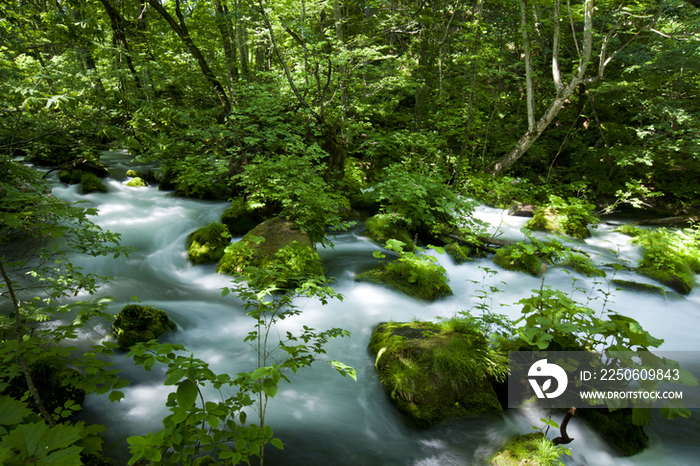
<point x="321" y="417"/>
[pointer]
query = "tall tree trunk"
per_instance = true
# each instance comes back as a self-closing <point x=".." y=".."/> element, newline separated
<point x="223" y="23"/>
<point x="535" y="130"/>
<point x="180" y="29"/>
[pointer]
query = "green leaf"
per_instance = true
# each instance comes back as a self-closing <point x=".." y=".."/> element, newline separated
<point x="12" y="411"/>
<point x="186" y="393"/>
<point x="67" y="457"/>
<point x="278" y="443"/>
<point x="270" y="388"/>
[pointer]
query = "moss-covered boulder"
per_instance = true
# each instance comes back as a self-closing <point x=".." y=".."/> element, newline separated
<point x="241" y="217"/>
<point x="438" y="371"/>
<point x="551" y="220"/>
<point x="382" y="227"/>
<point x="91" y="183"/>
<point x="415" y="275"/>
<point x="582" y="264"/>
<point x="136" y="323"/>
<point x="71" y="176"/>
<point x="616" y="428"/>
<point x="459" y="253"/>
<point x="636" y="286"/>
<point x="207" y="244"/>
<point x="277" y="246"/>
<point x="519" y="258"/>
<point x="136" y="182"/>
<point x="527" y="450"/>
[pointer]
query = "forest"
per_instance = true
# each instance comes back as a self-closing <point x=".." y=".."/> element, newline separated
<point x="306" y="118"/>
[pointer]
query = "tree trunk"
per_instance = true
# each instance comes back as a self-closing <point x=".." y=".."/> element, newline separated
<point x="534" y="131"/>
<point x="182" y="32"/>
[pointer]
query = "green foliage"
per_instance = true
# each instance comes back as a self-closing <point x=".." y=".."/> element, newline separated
<point x="219" y="429"/>
<point x="418" y="202"/>
<point x="504" y="191"/>
<point x="136" y="323"/>
<point x="415" y="273"/>
<point x="582" y="264"/>
<point x="383" y="227"/>
<point x="207" y="244"/>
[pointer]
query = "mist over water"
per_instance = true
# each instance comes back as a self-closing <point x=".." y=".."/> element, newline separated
<point x="322" y="417"/>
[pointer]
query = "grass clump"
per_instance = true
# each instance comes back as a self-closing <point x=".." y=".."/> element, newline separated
<point x="436" y="371"/>
<point x="208" y="243"/>
<point x="528" y="450"/>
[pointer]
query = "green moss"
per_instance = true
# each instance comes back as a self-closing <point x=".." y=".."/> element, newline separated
<point x="133" y="174"/>
<point x="415" y="277"/>
<point x="553" y="221"/>
<point x="432" y="374"/>
<point x="136" y="182"/>
<point x="636" y="286"/>
<point x="680" y="279"/>
<point x="458" y="252"/>
<point x="518" y="259"/>
<point x="284" y="248"/>
<point x="527" y="450"/>
<point x="380" y="228"/>
<point x="91" y="183"/>
<point x="583" y="264"/>
<point x="617" y="428"/>
<point x="629" y="230"/>
<point x="65" y="177"/>
<point x="241" y="217"/>
<point x="136" y="323"/>
<point x="207" y="244"/>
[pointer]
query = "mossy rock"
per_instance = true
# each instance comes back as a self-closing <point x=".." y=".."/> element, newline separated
<point x="459" y="253"/>
<point x="583" y="265"/>
<point x="636" y="286"/>
<point x="136" y="182"/>
<point x="207" y="244"/>
<point x="136" y="323"/>
<point x="514" y="258"/>
<point x="418" y="279"/>
<point x="241" y="217"/>
<point x="551" y="221"/>
<point x="527" y="450"/>
<point x="91" y="183"/>
<point x="616" y="428"/>
<point x="148" y="177"/>
<point x="71" y="176"/>
<point x="65" y="177"/>
<point x="380" y="228"/>
<point x="432" y="374"/>
<point x="48" y="376"/>
<point x="681" y="279"/>
<point x="285" y="251"/>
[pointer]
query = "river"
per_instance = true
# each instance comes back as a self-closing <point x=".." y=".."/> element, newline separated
<point x="321" y="417"/>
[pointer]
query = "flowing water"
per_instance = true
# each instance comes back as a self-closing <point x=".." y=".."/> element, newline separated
<point x="322" y="417"/>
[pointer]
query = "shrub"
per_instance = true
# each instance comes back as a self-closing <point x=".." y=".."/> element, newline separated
<point x="92" y="183"/>
<point x="571" y="217"/>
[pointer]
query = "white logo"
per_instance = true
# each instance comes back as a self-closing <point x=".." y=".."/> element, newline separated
<point x="542" y="369"/>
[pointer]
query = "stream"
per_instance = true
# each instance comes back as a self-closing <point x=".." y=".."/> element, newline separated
<point x="321" y="417"/>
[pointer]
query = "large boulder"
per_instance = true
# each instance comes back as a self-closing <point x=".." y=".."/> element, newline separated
<point x="207" y="244"/>
<point x="437" y="371"/>
<point x="136" y="323"/>
<point x="277" y="246"/>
